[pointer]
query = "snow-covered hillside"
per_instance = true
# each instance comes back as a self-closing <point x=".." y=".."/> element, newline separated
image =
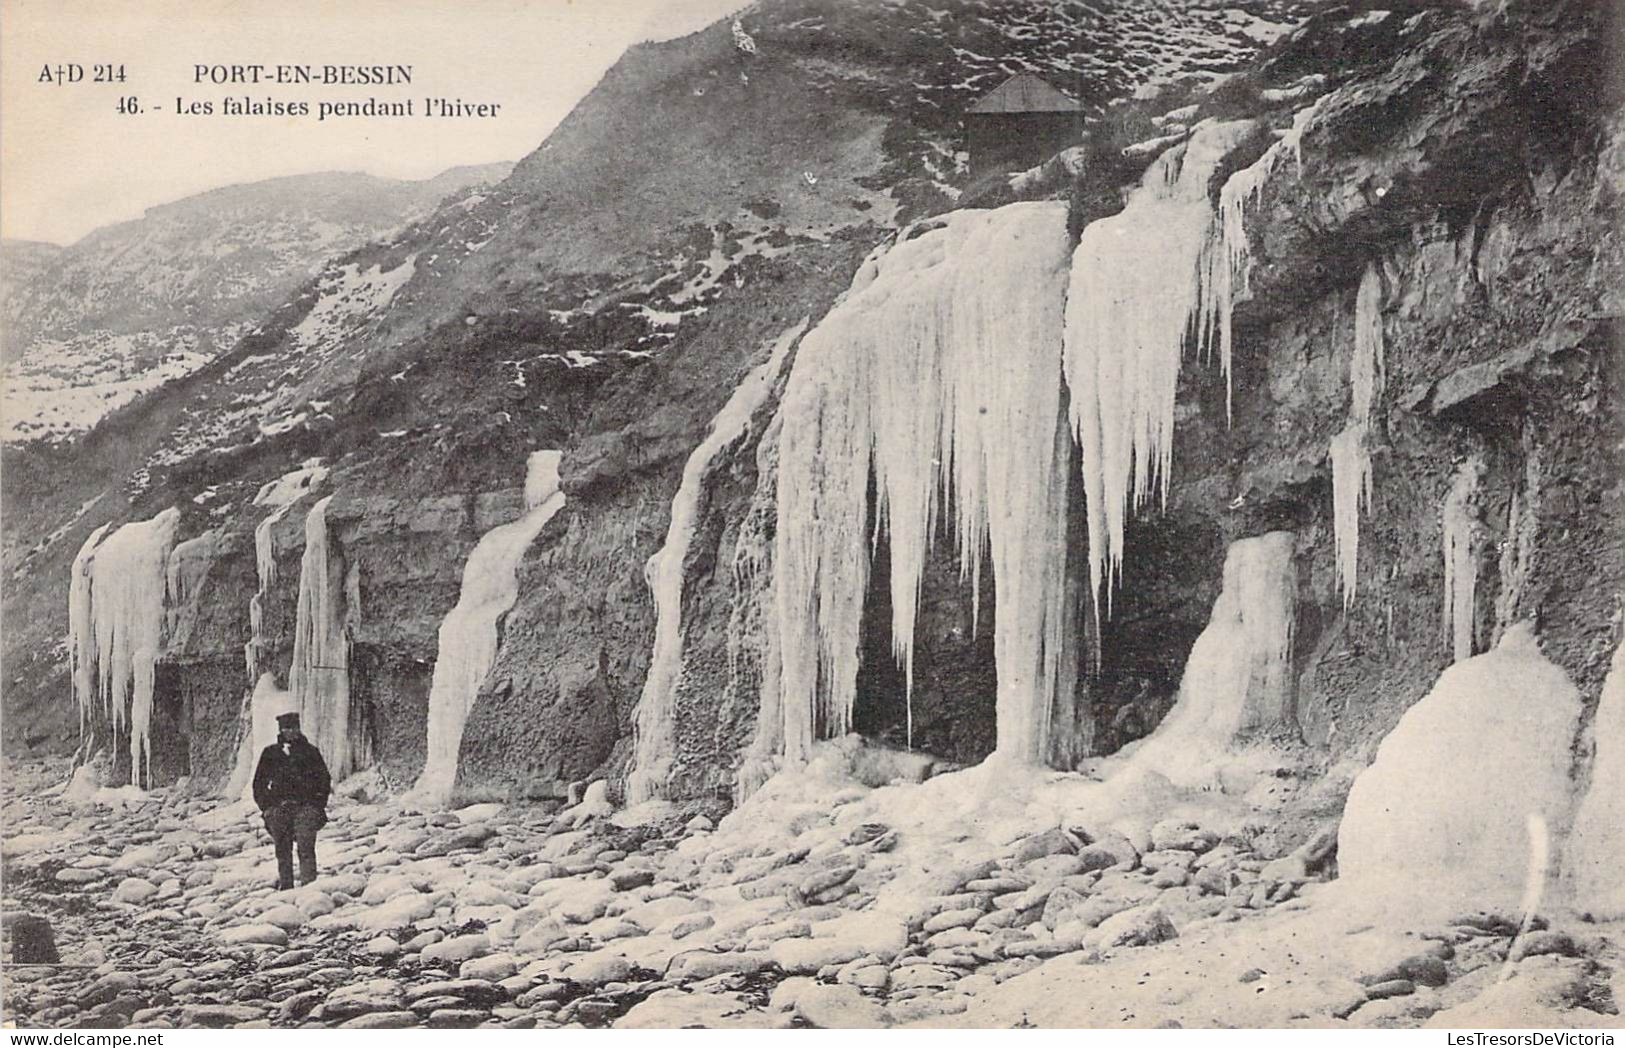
<point x="92" y="326"/>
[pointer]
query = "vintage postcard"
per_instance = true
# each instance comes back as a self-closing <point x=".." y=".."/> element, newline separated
<point x="847" y="514"/>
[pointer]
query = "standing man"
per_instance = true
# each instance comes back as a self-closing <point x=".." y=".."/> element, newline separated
<point x="291" y="786"/>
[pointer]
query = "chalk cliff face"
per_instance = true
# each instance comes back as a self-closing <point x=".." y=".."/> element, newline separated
<point x="1467" y="165"/>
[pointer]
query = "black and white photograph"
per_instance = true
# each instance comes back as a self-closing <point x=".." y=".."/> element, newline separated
<point x="559" y="515"/>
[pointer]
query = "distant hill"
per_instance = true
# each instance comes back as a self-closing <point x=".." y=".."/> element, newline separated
<point x="20" y="262"/>
<point x="129" y="306"/>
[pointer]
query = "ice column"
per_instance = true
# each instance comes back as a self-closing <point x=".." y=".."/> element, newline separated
<point x="265" y="704"/>
<point x="654" y="721"/>
<point x="1350" y="449"/>
<point x="939" y="372"/>
<point x="1367" y="373"/>
<point x="320" y="677"/>
<point x="1462" y="538"/>
<point x="468" y="634"/>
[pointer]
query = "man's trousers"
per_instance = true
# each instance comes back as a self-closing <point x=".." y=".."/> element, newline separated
<point x="294" y="826"/>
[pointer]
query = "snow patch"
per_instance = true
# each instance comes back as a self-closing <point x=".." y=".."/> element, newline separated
<point x="347" y="296"/>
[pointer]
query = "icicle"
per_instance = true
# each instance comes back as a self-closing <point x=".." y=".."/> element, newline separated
<point x="468" y="634"/>
<point x="82" y="656"/>
<point x="1366" y="371"/>
<point x="1350" y="450"/>
<point x="939" y="369"/>
<point x="654" y="721"/>
<point x="319" y="679"/>
<point x="1227" y="257"/>
<point x="116" y="627"/>
<point x="1351" y="494"/>
<point x="281" y="494"/>
<point x="1140" y="284"/>
<point x="1459" y="522"/>
<point x="265" y="565"/>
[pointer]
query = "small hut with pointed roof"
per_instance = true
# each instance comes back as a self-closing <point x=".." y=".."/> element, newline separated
<point x="1020" y="124"/>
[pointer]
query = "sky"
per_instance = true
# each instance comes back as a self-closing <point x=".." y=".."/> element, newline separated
<point x="70" y="162"/>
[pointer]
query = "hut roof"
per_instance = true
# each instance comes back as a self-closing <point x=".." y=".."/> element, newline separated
<point x="1025" y="93"/>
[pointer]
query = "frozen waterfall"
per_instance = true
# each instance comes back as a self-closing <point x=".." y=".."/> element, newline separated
<point x="265" y="703"/>
<point x="468" y="634"/>
<point x="116" y="602"/>
<point x="939" y="371"/>
<point x="1227" y="262"/>
<point x="1367" y="374"/>
<point x="1238" y="678"/>
<point x="1142" y="282"/>
<point x="654" y="721"/>
<point x="82" y="627"/>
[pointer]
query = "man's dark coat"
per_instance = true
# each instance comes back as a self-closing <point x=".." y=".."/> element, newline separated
<point x="291" y="773"/>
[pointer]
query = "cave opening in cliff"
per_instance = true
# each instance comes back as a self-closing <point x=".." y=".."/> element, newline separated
<point x="951" y="711"/>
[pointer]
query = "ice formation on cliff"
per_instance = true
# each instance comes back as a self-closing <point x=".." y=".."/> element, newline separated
<point x="1350" y="449"/>
<point x="82" y="626"/>
<point x="654" y="720"/>
<point x="1227" y="260"/>
<point x="1351" y="493"/>
<point x="1503" y="724"/>
<point x="265" y="565"/>
<point x="1238" y="677"/>
<point x="1367" y="370"/>
<point x="319" y="679"/>
<point x="1460" y="527"/>
<point x="1142" y="282"/>
<point x="281" y="494"/>
<point x="938" y="370"/>
<point x="468" y="634"/>
<point x="753" y="627"/>
<point x="116" y="627"/>
<point x="265" y="703"/>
